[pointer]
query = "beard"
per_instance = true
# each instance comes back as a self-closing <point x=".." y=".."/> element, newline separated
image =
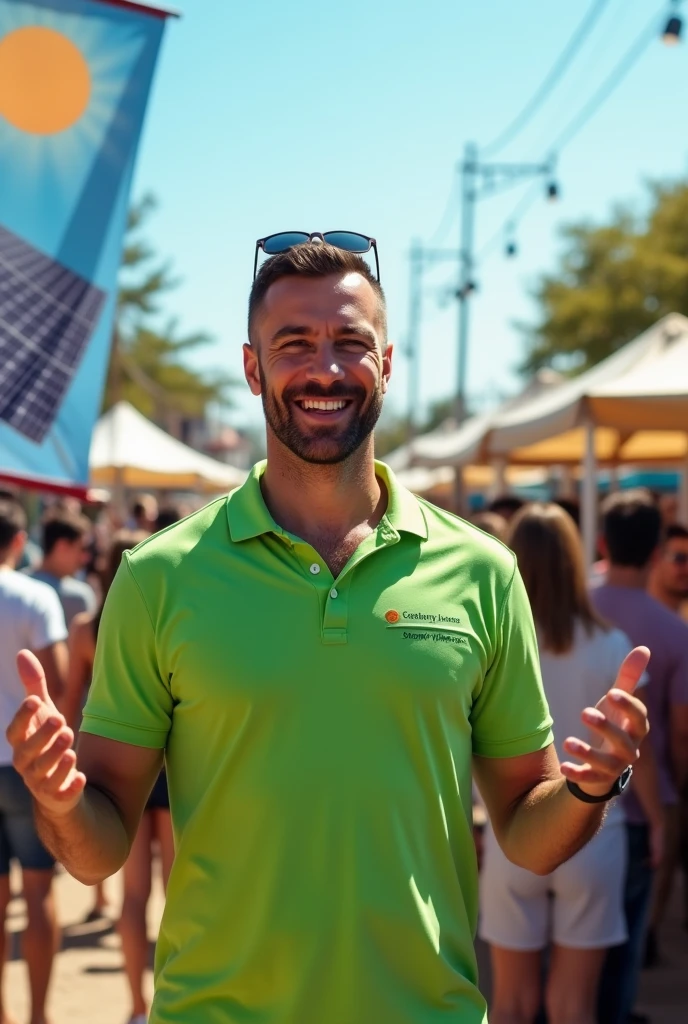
<point x="326" y="445"/>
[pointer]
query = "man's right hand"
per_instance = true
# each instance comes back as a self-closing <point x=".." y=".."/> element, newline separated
<point x="42" y="744"/>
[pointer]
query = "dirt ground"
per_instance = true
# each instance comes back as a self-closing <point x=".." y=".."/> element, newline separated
<point x="88" y="985"/>
<point x="89" y="988"/>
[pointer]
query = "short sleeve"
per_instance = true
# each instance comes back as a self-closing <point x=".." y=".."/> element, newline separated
<point x="47" y="620"/>
<point x="510" y="716"/>
<point x="129" y="699"/>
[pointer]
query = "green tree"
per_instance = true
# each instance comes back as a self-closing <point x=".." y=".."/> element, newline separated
<point x="147" y="365"/>
<point x="612" y="282"/>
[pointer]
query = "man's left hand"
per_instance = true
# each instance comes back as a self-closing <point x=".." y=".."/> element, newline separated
<point x="619" y="723"/>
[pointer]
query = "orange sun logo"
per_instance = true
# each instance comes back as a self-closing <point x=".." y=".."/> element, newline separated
<point x="392" y="616"/>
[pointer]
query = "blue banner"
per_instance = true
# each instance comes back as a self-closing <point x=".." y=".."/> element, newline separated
<point x="74" y="82"/>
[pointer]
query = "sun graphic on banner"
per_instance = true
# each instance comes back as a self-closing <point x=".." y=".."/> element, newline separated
<point x="61" y="80"/>
<point x="45" y="84"/>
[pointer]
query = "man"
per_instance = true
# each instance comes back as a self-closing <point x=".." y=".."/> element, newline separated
<point x="320" y="655"/>
<point x="30" y="617"/>
<point x="669" y="576"/>
<point x="631" y="535"/>
<point x="65" y="552"/>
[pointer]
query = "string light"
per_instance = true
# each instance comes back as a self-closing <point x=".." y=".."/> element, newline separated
<point x="672" y="30"/>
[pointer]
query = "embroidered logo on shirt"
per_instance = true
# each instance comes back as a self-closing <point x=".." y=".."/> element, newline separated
<point x="426" y="626"/>
<point x="433" y="621"/>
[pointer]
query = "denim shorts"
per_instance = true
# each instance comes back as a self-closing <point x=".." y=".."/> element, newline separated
<point x="18" y="836"/>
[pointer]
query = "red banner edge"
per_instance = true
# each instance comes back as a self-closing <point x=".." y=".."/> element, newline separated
<point x="143" y="8"/>
<point x="38" y="483"/>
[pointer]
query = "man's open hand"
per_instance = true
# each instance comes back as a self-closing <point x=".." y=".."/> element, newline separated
<point x="42" y="743"/>
<point x="619" y="723"/>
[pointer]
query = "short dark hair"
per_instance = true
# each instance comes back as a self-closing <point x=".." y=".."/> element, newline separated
<point x="676" y="532"/>
<point x="12" y="521"/>
<point x="168" y="516"/>
<point x="632" y="527"/>
<point x="312" y="259"/>
<point x="506" y="505"/>
<point x="63" y="525"/>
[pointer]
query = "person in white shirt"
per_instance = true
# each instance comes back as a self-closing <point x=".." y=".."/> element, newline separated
<point x="65" y="537"/>
<point x="30" y="616"/>
<point x="577" y="909"/>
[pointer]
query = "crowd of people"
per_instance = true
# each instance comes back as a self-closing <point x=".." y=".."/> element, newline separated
<point x="597" y="924"/>
<point x="570" y="944"/>
<point x="52" y="591"/>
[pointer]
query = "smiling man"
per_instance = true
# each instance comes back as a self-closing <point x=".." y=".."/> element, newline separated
<point x="321" y="657"/>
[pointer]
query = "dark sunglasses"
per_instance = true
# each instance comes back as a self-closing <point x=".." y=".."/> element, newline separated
<point x="350" y="241"/>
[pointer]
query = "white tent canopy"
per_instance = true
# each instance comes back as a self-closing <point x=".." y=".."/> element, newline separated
<point x="127" y="450"/>
<point x="447" y="445"/>
<point x="649" y="397"/>
<point x="652" y="368"/>
<point x="637" y="398"/>
<point x="461" y="446"/>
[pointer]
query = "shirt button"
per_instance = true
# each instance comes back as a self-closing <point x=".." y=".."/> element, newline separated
<point x="315" y="568"/>
<point x="334" y="593"/>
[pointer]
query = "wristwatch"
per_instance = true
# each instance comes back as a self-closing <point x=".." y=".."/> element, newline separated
<point x="616" y="789"/>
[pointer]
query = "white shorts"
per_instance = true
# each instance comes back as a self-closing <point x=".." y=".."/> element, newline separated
<point x="580" y="905"/>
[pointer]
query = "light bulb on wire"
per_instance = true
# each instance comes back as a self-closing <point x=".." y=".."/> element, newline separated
<point x="672" y="30"/>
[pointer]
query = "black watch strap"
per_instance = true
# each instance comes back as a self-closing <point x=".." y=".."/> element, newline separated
<point x="616" y="789"/>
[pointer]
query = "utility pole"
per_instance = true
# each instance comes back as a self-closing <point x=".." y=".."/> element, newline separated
<point x="480" y="180"/>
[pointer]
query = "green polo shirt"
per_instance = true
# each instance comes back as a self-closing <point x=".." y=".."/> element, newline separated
<point x="318" y="736"/>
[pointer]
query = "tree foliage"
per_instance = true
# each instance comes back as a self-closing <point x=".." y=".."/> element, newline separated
<point x="147" y="366"/>
<point x="612" y="282"/>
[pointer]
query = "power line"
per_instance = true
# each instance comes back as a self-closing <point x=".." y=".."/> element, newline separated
<point x="610" y="83"/>
<point x="577" y="123"/>
<point x="586" y="71"/>
<point x="551" y="79"/>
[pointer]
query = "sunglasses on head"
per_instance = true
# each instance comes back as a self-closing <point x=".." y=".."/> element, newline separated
<point x="350" y="241"/>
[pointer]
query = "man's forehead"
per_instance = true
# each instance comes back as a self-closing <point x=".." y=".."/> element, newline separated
<point x="337" y="295"/>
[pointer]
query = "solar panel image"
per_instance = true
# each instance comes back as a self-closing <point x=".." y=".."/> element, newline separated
<point x="47" y="316"/>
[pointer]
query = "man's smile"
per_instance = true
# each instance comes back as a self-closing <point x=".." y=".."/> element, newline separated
<point x="323" y="408"/>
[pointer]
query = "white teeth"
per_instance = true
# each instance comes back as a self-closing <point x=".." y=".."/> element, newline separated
<point x="322" y="406"/>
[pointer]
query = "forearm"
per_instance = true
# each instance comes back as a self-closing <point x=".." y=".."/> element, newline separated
<point x="547" y="826"/>
<point x="91" y="841"/>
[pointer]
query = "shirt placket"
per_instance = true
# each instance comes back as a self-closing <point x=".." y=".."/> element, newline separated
<point x="333" y="595"/>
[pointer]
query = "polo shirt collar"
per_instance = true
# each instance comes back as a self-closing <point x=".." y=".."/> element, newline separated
<point x="404" y="513"/>
<point x="249" y="517"/>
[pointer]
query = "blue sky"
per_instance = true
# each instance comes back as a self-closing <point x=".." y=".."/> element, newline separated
<point x="303" y="115"/>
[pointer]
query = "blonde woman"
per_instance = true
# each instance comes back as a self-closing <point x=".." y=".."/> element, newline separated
<point x="578" y="909"/>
